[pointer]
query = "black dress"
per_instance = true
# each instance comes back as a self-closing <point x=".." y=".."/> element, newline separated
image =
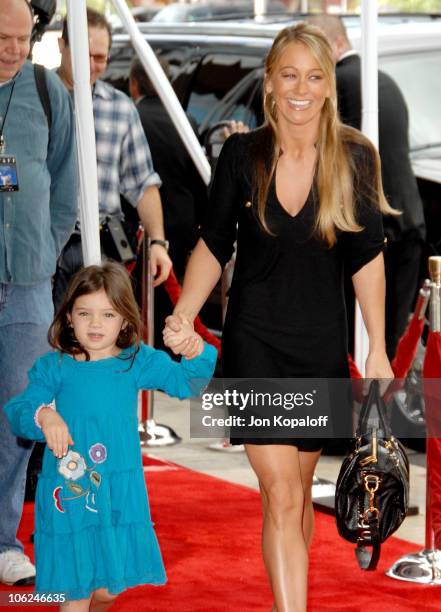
<point x="286" y="315"/>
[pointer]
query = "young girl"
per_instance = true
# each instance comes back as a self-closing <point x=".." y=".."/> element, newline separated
<point x="93" y="532"/>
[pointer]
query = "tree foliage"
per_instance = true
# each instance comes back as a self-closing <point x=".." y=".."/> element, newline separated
<point x="402" y="6"/>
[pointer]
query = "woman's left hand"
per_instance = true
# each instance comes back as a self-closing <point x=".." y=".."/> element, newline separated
<point x="378" y="366"/>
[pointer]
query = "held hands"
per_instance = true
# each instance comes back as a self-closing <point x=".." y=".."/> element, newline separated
<point x="160" y="264"/>
<point x="55" y="431"/>
<point x="180" y="337"/>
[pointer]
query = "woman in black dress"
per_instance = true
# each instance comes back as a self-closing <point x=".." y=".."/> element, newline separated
<point x="303" y="197"/>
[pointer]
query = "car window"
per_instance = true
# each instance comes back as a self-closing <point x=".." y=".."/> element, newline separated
<point x="182" y="59"/>
<point x="215" y="77"/>
<point x="417" y="75"/>
<point x="117" y="73"/>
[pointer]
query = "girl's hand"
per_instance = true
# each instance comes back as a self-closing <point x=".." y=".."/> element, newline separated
<point x="194" y="347"/>
<point x="55" y="431"/>
<point x="179" y="335"/>
<point x="178" y="329"/>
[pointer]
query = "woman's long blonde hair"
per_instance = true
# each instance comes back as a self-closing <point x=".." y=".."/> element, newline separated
<point x="337" y="184"/>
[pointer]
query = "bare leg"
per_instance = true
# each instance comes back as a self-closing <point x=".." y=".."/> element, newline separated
<point x="308" y="463"/>
<point x="101" y="600"/>
<point x="285" y="548"/>
<point x="77" y="605"/>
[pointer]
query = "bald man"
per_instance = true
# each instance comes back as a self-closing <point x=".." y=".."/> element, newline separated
<point x="38" y="206"/>
<point x="405" y="233"/>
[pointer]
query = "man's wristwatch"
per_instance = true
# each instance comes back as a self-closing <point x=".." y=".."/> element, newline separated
<point x="163" y="243"/>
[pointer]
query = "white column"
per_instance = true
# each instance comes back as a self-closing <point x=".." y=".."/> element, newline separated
<point x="260" y="8"/>
<point x="369" y="89"/>
<point x="85" y="131"/>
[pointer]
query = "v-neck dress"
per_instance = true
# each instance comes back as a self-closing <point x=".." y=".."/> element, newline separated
<point x="93" y="527"/>
<point x="286" y="314"/>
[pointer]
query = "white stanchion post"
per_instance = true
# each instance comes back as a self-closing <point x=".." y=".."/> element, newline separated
<point x="85" y="131"/>
<point x="260" y="9"/>
<point x="164" y="90"/>
<point x="369" y="80"/>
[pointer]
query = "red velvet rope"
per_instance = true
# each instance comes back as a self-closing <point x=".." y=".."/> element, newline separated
<point x="353" y="370"/>
<point x="432" y="369"/>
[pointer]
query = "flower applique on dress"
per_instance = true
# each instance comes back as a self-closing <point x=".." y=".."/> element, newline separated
<point x="73" y="467"/>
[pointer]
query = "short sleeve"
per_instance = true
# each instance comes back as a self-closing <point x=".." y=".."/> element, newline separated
<point x="360" y="248"/>
<point x="42" y="389"/>
<point x="219" y="228"/>
<point x="186" y="378"/>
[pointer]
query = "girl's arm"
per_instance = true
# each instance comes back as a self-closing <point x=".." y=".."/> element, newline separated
<point x="370" y="290"/>
<point x="20" y="413"/>
<point x="42" y="387"/>
<point x="30" y="415"/>
<point x="187" y="378"/>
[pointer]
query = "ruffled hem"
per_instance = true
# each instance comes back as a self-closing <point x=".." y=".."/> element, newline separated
<point x="116" y="558"/>
<point x="114" y="588"/>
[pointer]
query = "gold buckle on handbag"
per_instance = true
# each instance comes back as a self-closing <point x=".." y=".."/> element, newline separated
<point x="371" y="484"/>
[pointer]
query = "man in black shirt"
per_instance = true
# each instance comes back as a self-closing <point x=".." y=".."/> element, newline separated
<point x="183" y="192"/>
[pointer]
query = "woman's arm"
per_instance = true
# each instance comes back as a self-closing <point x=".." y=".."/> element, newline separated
<point x="216" y="245"/>
<point x="202" y="273"/>
<point x="370" y="289"/>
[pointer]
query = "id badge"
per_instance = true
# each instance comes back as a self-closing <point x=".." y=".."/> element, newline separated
<point x="8" y="173"/>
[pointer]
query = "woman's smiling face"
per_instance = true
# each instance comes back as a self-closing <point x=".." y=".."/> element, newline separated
<point x="298" y="86"/>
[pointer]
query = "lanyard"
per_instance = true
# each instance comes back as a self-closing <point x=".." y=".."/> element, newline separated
<point x="2" y="140"/>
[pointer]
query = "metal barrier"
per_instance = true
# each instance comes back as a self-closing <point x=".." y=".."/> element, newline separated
<point x="151" y="434"/>
<point x="424" y="567"/>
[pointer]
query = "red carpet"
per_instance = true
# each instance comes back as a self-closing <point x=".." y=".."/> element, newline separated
<point x="209" y="531"/>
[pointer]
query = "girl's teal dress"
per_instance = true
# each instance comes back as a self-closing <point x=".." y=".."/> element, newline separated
<point x="92" y="520"/>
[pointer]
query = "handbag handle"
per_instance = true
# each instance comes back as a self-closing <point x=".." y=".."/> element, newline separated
<point x="368" y="560"/>
<point x="373" y="398"/>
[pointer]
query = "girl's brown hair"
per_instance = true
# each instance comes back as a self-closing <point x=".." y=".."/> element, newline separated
<point x="337" y="184"/>
<point x="115" y="281"/>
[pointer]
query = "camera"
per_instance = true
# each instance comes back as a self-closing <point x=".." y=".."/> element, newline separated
<point x="44" y="10"/>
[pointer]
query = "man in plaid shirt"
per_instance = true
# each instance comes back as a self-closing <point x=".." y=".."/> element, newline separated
<point x="123" y="157"/>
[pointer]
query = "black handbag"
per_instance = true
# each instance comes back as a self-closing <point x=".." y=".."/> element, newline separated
<point x="372" y="491"/>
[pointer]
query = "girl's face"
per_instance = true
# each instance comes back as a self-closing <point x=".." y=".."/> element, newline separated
<point x="298" y="86"/>
<point x="96" y="325"/>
